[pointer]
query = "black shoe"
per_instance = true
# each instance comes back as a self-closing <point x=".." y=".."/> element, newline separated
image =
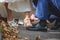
<point x="37" y="27"/>
<point x="34" y="28"/>
<point x="57" y="24"/>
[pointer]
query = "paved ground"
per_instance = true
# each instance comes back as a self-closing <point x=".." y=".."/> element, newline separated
<point x="44" y="35"/>
<point x="0" y="35"/>
<point x="32" y="34"/>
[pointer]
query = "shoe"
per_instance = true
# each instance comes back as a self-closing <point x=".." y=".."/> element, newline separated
<point x="34" y="28"/>
<point x="51" y="25"/>
<point x="38" y="27"/>
<point x="20" y="21"/>
<point x="12" y="23"/>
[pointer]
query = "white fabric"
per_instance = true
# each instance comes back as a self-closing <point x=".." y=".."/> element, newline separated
<point x="20" y="21"/>
<point x="20" y="6"/>
<point x="7" y="1"/>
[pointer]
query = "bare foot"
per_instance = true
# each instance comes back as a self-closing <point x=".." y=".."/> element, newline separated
<point x="27" y="22"/>
<point x="34" y="18"/>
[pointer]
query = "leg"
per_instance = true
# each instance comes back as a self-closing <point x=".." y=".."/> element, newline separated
<point x="27" y="21"/>
<point x="55" y="7"/>
<point x="10" y="16"/>
<point x="55" y="4"/>
<point x="42" y="11"/>
<point x="9" y="13"/>
<point x="41" y="14"/>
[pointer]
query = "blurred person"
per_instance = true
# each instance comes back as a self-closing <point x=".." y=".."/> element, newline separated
<point x="17" y="6"/>
<point x="44" y="9"/>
